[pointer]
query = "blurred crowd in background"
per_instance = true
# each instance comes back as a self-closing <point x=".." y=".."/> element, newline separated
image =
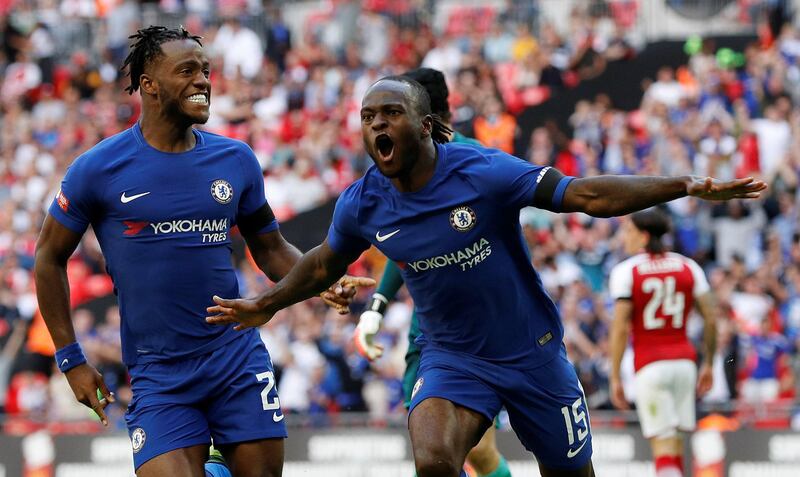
<point x="296" y="102"/>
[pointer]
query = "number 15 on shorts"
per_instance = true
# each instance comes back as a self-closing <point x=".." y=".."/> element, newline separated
<point x="575" y="421"/>
<point x="267" y="403"/>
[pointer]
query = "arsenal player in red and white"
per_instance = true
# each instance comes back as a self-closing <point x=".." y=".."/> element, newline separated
<point x="654" y="291"/>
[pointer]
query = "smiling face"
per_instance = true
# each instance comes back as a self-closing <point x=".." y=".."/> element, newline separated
<point x="178" y="80"/>
<point x="392" y="127"/>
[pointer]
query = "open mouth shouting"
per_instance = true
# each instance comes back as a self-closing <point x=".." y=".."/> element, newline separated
<point x="385" y="147"/>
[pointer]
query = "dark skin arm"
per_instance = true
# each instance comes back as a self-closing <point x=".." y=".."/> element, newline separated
<point x="312" y="274"/>
<point x="272" y="253"/>
<point x="610" y="196"/>
<point x="54" y="247"/>
<point x="276" y="257"/>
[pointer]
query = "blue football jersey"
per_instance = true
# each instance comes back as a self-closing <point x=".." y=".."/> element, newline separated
<point x="163" y="221"/>
<point x="459" y="245"/>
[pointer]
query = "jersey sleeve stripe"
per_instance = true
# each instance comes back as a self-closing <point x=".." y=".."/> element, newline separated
<point x="558" y="197"/>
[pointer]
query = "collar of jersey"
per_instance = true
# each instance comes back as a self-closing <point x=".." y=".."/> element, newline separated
<point x="137" y="133"/>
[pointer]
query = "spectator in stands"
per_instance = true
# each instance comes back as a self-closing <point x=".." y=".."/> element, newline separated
<point x="494" y="127"/>
<point x="767" y="348"/>
<point x="665" y="90"/>
<point x="240" y="49"/>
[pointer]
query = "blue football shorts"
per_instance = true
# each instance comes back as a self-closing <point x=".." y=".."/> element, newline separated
<point x="546" y="405"/>
<point x="228" y="395"/>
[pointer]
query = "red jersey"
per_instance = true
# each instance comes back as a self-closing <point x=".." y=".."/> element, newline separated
<point x="662" y="289"/>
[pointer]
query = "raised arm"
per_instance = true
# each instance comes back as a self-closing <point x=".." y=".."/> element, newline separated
<point x="54" y="247"/>
<point x="312" y="274"/>
<point x="609" y="196"/>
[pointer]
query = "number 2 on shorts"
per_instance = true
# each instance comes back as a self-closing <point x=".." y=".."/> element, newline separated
<point x="265" y="401"/>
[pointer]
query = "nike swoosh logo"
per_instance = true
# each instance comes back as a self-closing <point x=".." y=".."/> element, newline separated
<point x="381" y="238"/>
<point x="572" y="453"/>
<point x="276" y="417"/>
<point x="64" y="363"/>
<point x="125" y="199"/>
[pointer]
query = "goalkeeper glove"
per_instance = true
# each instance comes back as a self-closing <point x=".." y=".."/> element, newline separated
<point x="369" y="323"/>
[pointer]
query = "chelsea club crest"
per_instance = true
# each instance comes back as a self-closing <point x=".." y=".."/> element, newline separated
<point x="222" y="191"/>
<point x="137" y="439"/>
<point x="462" y="218"/>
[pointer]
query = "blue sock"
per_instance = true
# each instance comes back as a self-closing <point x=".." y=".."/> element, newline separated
<point x="214" y="469"/>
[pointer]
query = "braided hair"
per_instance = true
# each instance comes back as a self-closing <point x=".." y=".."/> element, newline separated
<point x="440" y="132"/>
<point x="147" y="46"/>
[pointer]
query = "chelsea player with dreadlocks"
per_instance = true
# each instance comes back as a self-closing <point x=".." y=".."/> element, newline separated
<point x="162" y="198"/>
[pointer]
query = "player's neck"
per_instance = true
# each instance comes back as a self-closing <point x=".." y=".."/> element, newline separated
<point x="421" y="173"/>
<point x="165" y="135"/>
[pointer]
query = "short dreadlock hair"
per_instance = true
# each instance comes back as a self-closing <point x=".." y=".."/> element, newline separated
<point x="147" y="46"/>
<point x="440" y="132"/>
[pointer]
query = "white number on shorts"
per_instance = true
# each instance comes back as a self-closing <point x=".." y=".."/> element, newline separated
<point x="578" y="420"/>
<point x="275" y="403"/>
<point x="664" y="297"/>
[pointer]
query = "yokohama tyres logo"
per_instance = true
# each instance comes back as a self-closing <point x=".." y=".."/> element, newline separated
<point x="178" y="226"/>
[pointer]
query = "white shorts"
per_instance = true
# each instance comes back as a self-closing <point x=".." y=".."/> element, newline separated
<point x="665" y="397"/>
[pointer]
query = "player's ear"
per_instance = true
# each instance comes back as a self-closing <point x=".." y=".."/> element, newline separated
<point x="147" y="84"/>
<point x="427" y="125"/>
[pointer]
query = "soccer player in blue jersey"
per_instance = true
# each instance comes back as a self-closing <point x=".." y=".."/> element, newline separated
<point x="162" y="198"/>
<point x="485" y="459"/>
<point x="491" y="337"/>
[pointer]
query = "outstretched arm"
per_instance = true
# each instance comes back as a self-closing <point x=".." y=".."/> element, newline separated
<point x="313" y="273"/>
<point x="609" y="196"/>
<point x="275" y="257"/>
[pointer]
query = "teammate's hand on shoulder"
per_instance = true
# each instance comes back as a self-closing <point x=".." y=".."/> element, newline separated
<point x="340" y="294"/>
<point x="244" y="312"/>
<point x="85" y="381"/>
<point x="708" y="188"/>
<point x="618" y="394"/>
<point x="368" y="326"/>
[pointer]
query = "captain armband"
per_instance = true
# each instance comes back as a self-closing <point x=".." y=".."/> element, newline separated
<point x="256" y="221"/>
<point x="547" y="196"/>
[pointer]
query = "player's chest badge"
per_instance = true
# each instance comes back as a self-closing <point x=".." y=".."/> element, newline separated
<point x="462" y="218"/>
<point x="222" y="191"/>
